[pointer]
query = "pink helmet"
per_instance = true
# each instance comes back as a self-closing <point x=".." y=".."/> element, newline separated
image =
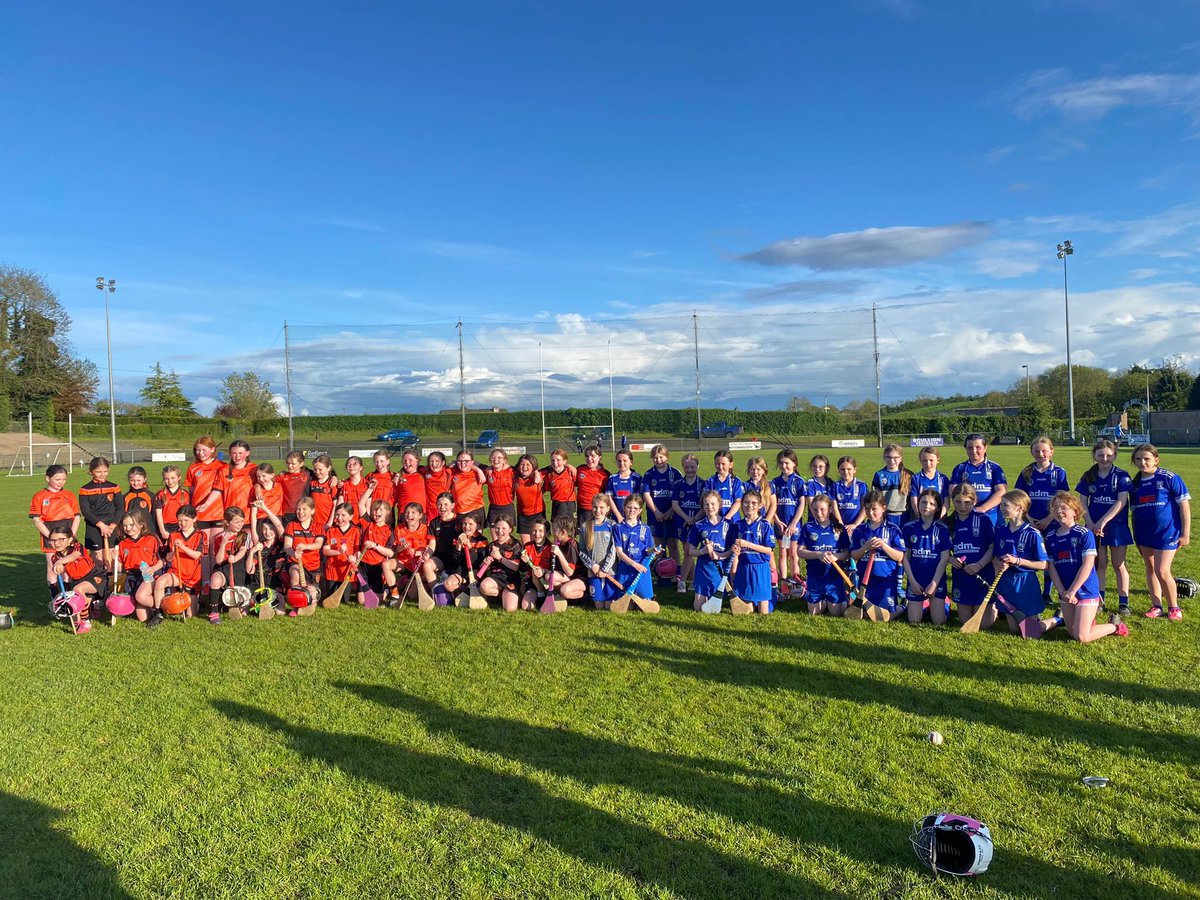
<point x="119" y="604"/>
<point x="952" y="844"/>
<point x="666" y="568"/>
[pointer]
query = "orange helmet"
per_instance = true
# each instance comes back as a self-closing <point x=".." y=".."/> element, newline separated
<point x="176" y="603"/>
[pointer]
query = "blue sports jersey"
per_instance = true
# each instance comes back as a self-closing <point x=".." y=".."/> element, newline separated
<point x="1041" y="487"/>
<point x="813" y="486"/>
<point x="622" y="489"/>
<point x="635" y="541"/>
<point x="757" y="532"/>
<point x="925" y="547"/>
<point x="1100" y="494"/>
<point x="884" y="568"/>
<point x="937" y="481"/>
<point x="1154" y="500"/>
<point x="731" y="491"/>
<point x="660" y="486"/>
<point x="788" y="489"/>
<point x="825" y="539"/>
<point x="849" y="498"/>
<point x="1067" y="553"/>
<point x="688" y="495"/>
<point x="1021" y="587"/>
<point x="705" y="530"/>
<point x="985" y="478"/>
<point x="971" y="537"/>
<point x="889" y="484"/>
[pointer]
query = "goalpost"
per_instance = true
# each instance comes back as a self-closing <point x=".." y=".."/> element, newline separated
<point x="18" y="466"/>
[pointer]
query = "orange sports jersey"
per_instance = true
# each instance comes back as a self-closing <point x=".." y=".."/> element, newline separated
<point x="436" y="484"/>
<point x="189" y="570"/>
<point x="337" y="567"/>
<point x="530" y="501"/>
<point x="203" y="481"/>
<point x="54" y="506"/>
<point x="410" y="544"/>
<point x="227" y="543"/>
<point x="139" y="500"/>
<point x="408" y="488"/>
<point x="589" y="483"/>
<point x="383" y="487"/>
<point x="561" y="485"/>
<point x="168" y="504"/>
<point x="383" y="535"/>
<point x="239" y="491"/>
<point x="323" y="494"/>
<point x="467" y="491"/>
<point x="78" y="568"/>
<point x="133" y="553"/>
<point x="311" y="559"/>
<point x="272" y="497"/>
<point x="540" y="558"/>
<point x="501" y="484"/>
<point x="349" y="492"/>
<point x="294" y="486"/>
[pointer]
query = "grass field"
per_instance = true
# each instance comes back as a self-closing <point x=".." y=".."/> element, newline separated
<point x="455" y="754"/>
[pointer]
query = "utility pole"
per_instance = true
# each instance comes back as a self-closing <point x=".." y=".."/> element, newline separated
<point x="696" y="348"/>
<point x="287" y="374"/>
<point x="462" y="386"/>
<point x="878" y="407"/>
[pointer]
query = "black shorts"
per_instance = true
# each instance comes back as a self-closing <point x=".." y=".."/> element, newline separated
<point x="494" y="513"/>
<point x="97" y="578"/>
<point x="50" y="526"/>
<point x="563" y="508"/>
<point x="525" y="523"/>
<point x="373" y="573"/>
<point x="93" y="540"/>
<point x="209" y="524"/>
<point x="508" y="581"/>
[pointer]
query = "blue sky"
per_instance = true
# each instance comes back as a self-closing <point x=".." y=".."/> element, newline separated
<point x="573" y="177"/>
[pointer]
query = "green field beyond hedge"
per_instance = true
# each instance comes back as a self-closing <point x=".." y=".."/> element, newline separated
<point x="456" y="754"/>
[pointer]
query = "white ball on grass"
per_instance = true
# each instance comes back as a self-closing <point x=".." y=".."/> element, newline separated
<point x="935" y="738"/>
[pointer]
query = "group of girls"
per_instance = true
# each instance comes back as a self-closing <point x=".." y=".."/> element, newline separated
<point x="1019" y="544"/>
<point x="232" y="524"/>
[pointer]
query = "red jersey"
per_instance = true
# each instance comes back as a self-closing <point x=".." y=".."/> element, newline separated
<point x="349" y="541"/>
<point x="501" y="485"/>
<point x="189" y="570"/>
<point x="467" y="491"/>
<point x="272" y="497"/>
<point x="383" y="535"/>
<point x="133" y="553"/>
<point x="383" y="487"/>
<point x="410" y="544"/>
<point x="294" y="486"/>
<point x="203" y="481"/>
<point x="238" y="491"/>
<point x="530" y="501"/>
<point x="436" y="484"/>
<point x="589" y="483"/>
<point x="168" y="504"/>
<point x="540" y="558"/>
<point x="314" y="533"/>
<point x="349" y="492"/>
<point x="54" y="506"/>
<point x="561" y="485"/>
<point x="323" y="494"/>
<point x="408" y="488"/>
<point x="79" y="568"/>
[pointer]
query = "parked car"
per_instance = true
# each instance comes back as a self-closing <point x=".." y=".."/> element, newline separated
<point x="718" y="429"/>
<point x="406" y="441"/>
<point x="396" y="434"/>
<point x="487" y="439"/>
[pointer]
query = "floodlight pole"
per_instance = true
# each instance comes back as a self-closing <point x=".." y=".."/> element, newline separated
<point x="1027" y="394"/>
<point x="1064" y="250"/>
<point x="287" y="375"/>
<point x="542" y="388"/>
<point x="106" y="288"/>
<point x="878" y="406"/>
<point x="696" y="349"/>
<point x="612" y="416"/>
<point x="462" y="386"/>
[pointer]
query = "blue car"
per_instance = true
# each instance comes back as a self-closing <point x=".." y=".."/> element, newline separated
<point x="488" y="439"/>
<point x="396" y="434"/>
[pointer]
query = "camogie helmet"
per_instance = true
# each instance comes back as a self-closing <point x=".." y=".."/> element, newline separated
<point x="70" y="607"/>
<point x="952" y="844"/>
<point x="176" y="603"/>
<point x="666" y="568"/>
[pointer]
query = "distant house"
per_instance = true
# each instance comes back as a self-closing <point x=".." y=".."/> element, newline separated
<point x="470" y="411"/>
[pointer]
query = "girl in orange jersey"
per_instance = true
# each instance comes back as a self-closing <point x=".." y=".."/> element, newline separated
<point x="437" y="481"/>
<point x="531" y="505"/>
<point x="168" y="500"/>
<point x="502" y="579"/>
<point x="343" y="540"/>
<point x="54" y="505"/>
<point x="559" y="479"/>
<point x="535" y="574"/>
<point x="590" y="480"/>
<point x="408" y="485"/>
<point x="378" y="548"/>
<point x="204" y="483"/>
<point x="303" y="540"/>
<point x="79" y="570"/>
<point x="139" y="553"/>
<point x="382" y="483"/>
<point x="502" y="483"/>
<point x="187" y="549"/>
<point x="466" y="484"/>
<point x="323" y="490"/>
<point x="353" y="488"/>
<point x="412" y="548"/>
<point x="267" y="500"/>
<point x="229" y="563"/>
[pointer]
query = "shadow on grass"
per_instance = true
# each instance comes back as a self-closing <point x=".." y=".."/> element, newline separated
<point x="682" y="866"/>
<point x="24" y="578"/>
<point x="873" y="839"/>
<point x="949" y="665"/>
<point x="823" y="682"/>
<point x="40" y="861"/>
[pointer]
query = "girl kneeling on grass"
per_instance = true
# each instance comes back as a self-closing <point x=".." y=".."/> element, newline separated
<point x="303" y="540"/>
<point x="876" y="535"/>
<point x="634" y="542"/>
<point x="1020" y="553"/>
<point x="972" y="544"/>
<point x="567" y="583"/>
<point x="535" y="574"/>
<point x="708" y="544"/>
<point x="470" y="547"/>
<point x="598" y="552"/>
<point x="140" y="558"/>
<point x="78" y="569"/>
<point x="926" y="556"/>
<point x="504" y="553"/>
<point x="1072" y="552"/>
<point x="187" y="548"/>
<point x="229" y="569"/>
<point x="824" y="544"/>
<point x="754" y="540"/>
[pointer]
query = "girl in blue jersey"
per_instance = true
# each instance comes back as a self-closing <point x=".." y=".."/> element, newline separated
<point x="929" y="477"/>
<point x="708" y="546"/>
<point x="658" y="483"/>
<point x="1020" y="553"/>
<point x="972" y="543"/>
<point x="848" y="493"/>
<point x="625" y="483"/>
<point x="685" y="502"/>
<point x="788" y="488"/>
<point x="1105" y="492"/>
<point x="633" y="541"/>
<point x="894" y="482"/>
<point x="822" y="543"/>
<point x="727" y="485"/>
<point x="926" y="556"/>
<point x="983" y="475"/>
<point x="598" y="553"/>
<point x="1072" y="552"/>
<point x="1041" y="480"/>
<point x="754" y="539"/>
<point x="880" y="537"/>
<point x="820" y="482"/>
<point x="1162" y="523"/>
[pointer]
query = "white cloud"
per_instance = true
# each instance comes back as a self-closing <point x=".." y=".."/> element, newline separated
<point x="871" y="248"/>
<point x="1010" y="259"/>
<point x="1055" y="91"/>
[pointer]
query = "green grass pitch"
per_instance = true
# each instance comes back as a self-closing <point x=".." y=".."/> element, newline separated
<point x="453" y="754"/>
